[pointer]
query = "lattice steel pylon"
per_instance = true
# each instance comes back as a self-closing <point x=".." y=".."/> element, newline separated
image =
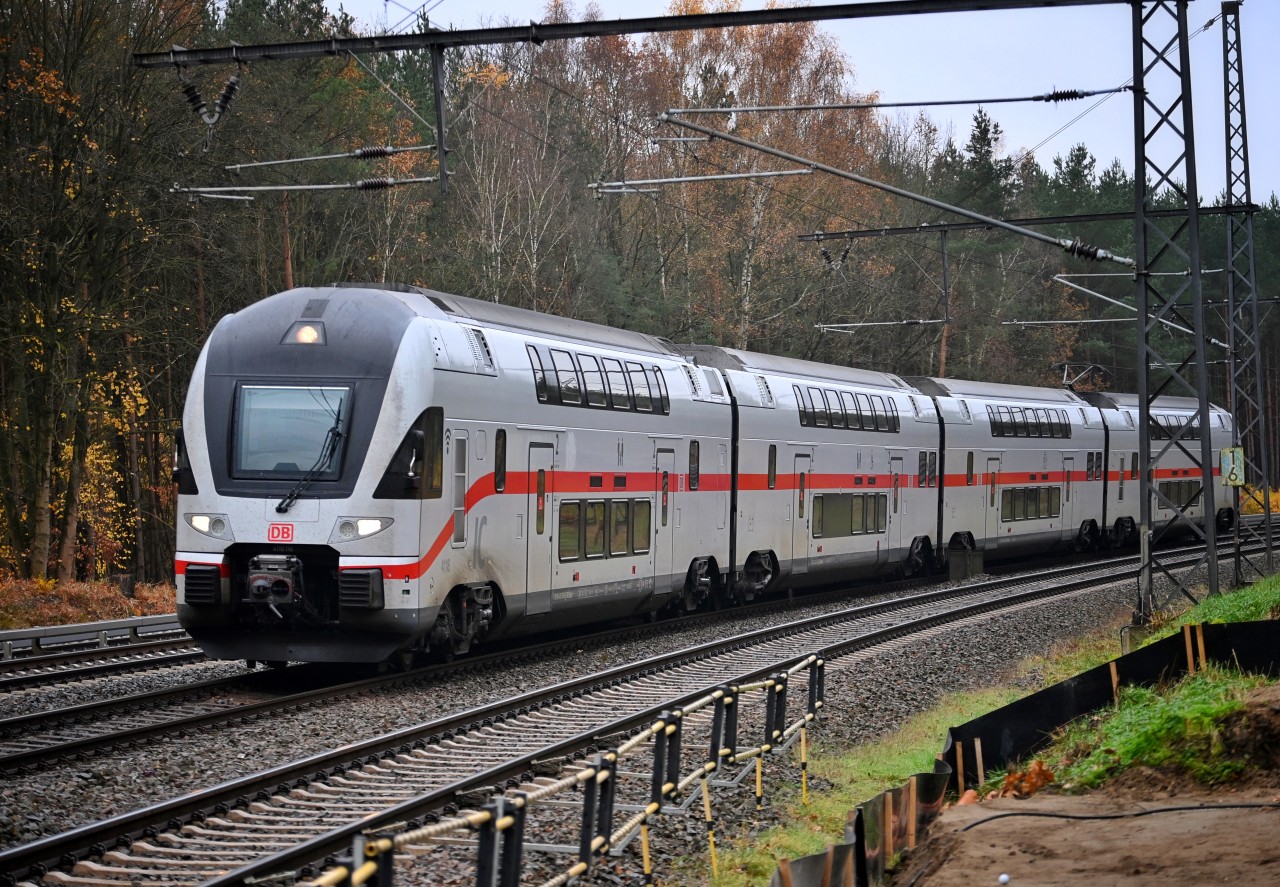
<point x="1168" y="287"/>
<point x="1251" y="426"/>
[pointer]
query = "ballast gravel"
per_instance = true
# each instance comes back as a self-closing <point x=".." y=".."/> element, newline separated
<point x="863" y="701"/>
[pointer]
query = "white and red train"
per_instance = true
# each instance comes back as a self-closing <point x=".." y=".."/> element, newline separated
<point x="369" y="473"/>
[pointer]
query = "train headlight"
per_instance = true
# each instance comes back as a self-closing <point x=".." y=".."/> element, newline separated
<point x="348" y="529"/>
<point x="305" y="332"/>
<point x="215" y="525"/>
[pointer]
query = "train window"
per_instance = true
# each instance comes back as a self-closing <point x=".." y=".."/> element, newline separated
<point x="882" y="512"/>
<point x="968" y="470"/>
<point x="541" y="524"/>
<point x="640" y="532"/>
<point x="1055" y="501"/>
<point x="539" y="377"/>
<point x="857" y="515"/>
<point x="500" y="460"/>
<point x="895" y="424"/>
<point x="570" y="529"/>
<point x="933" y="469"/>
<point x="1008" y="424"/>
<point x="666" y="490"/>
<point x="593" y="528"/>
<point x="290" y="431"/>
<point x="801" y="404"/>
<point x="1133" y="466"/>
<point x="433" y="455"/>
<point x="868" y="419"/>
<point x="819" y="407"/>
<point x="800" y="491"/>
<point x="619" y="526"/>
<point x="713" y="379"/>
<point x="923" y="479"/>
<point x="567" y="377"/>
<point x="640" y="386"/>
<point x="1099" y="467"/>
<point x="1088" y="472"/>
<point x="1006" y="505"/>
<point x="773" y="466"/>
<point x="695" y="468"/>
<point x="1044" y="502"/>
<point x="459" y="489"/>
<point x="880" y="413"/>
<point x="817" y="517"/>
<point x="994" y="418"/>
<point x="594" y="379"/>
<point x="837" y="513"/>
<point x="837" y="413"/>
<point x="664" y="399"/>
<point x="619" y="397"/>
<point x="852" y="417"/>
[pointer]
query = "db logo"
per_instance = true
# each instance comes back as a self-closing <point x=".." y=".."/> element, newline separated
<point x="280" y="533"/>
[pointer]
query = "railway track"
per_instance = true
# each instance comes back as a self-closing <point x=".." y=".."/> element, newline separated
<point x="40" y="740"/>
<point x="294" y="815"/>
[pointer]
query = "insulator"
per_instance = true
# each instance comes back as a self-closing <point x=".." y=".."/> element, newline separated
<point x="193" y="96"/>
<point x="1064" y="95"/>
<point x="374" y="184"/>
<point x="228" y="93"/>
<point x="373" y="151"/>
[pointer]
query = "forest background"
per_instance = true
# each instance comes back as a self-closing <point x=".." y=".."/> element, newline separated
<point x="113" y="280"/>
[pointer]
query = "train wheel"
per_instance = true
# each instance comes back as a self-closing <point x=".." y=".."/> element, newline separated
<point x="916" y="563"/>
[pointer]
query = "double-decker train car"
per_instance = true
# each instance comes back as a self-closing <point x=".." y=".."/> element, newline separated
<point x="368" y="473"/>
<point x="1024" y="466"/>
<point x="1176" y="476"/>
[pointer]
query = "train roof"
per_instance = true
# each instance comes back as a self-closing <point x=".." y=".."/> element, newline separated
<point x="1116" y="400"/>
<point x="751" y="361"/>
<point x="509" y="317"/>
<point x="997" y="390"/>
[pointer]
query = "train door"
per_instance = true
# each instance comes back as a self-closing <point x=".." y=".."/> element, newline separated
<point x="664" y="526"/>
<point x="800" y="521"/>
<point x="541" y="529"/>
<point x="993" y="501"/>
<point x="897" y="504"/>
<point x="1068" y="468"/>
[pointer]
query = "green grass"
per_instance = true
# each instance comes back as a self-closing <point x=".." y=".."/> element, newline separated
<point x="1178" y="728"/>
<point x="1174" y="731"/>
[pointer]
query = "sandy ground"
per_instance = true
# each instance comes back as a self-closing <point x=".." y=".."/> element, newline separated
<point x="1145" y="828"/>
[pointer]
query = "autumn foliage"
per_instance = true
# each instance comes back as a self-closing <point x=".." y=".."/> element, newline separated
<point x="114" y="278"/>
<point x="25" y="603"/>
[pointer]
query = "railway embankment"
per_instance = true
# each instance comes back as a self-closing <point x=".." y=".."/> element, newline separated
<point x="1167" y="768"/>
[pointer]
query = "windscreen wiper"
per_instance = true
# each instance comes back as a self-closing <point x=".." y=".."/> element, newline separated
<point x="327" y="451"/>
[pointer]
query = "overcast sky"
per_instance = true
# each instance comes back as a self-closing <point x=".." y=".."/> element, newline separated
<point x="992" y="55"/>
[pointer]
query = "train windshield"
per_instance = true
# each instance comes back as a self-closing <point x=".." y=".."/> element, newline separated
<point x="290" y="431"/>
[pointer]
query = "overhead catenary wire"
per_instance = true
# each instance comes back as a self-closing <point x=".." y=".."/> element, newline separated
<point x="851" y="327"/>
<point x="1061" y="95"/>
<point x="1062" y="278"/>
<point x="360" y="185"/>
<point x="628" y="183"/>
<point x="366" y="153"/>
<point x="1074" y="247"/>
